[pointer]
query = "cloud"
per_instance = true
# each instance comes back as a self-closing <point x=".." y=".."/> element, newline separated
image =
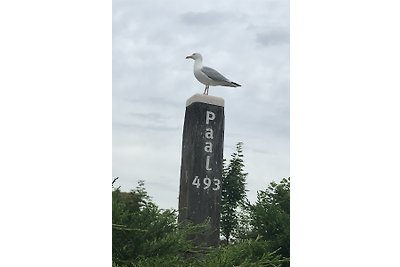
<point x="273" y="37"/>
<point x="205" y="19"/>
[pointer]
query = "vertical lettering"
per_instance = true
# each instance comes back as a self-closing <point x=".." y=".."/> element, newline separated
<point x="208" y="164"/>
<point x="209" y="133"/>
<point x="208" y="147"/>
<point x="210" y="116"/>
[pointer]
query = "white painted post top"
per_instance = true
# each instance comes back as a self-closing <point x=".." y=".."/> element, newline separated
<point x="213" y="100"/>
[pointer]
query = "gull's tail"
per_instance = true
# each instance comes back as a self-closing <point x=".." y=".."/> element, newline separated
<point x="235" y="84"/>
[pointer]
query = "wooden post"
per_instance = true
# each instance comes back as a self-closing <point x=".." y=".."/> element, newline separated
<point x="202" y="165"/>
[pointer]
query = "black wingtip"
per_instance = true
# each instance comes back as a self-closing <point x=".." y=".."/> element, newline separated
<point x="236" y="84"/>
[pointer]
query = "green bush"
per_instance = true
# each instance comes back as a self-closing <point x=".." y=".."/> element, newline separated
<point x="244" y="253"/>
<point x="144" y="235"/>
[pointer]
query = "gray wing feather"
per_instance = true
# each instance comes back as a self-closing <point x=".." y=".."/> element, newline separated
<point x="214" y="75"/>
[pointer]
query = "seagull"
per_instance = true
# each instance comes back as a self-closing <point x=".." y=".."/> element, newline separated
<point x="209" y="76"/>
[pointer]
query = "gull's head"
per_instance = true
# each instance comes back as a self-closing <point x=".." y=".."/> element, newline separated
<point x="195" y="56"/>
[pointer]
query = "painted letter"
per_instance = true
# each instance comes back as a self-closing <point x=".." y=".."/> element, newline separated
<point x="208" y="147"/>
<point x="210" y="116"/>
<point x="217" y="184"/>
<point x="209" y="133"/>
<point x="208" y="164"/>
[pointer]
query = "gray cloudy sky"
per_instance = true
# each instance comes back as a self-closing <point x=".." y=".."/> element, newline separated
<point x="247" y="41"/>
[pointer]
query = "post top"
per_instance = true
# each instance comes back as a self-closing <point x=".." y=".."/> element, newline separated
<point x="213" y="100"/>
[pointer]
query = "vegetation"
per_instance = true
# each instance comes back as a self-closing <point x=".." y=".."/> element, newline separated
<point x="233" y="193"/>
<point x="145" y="235"/>
<point x="270" y="216"/>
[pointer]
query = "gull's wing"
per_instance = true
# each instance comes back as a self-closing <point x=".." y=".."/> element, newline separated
<point x="214" y="75"/>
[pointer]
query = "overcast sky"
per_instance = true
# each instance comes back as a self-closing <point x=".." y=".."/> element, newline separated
<point x="247" y="41"/>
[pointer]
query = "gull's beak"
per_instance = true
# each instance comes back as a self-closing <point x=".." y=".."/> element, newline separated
<point x="189" y="57"/>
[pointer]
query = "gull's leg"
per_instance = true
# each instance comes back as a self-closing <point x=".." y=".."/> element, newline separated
<point x="206" y="90"/>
